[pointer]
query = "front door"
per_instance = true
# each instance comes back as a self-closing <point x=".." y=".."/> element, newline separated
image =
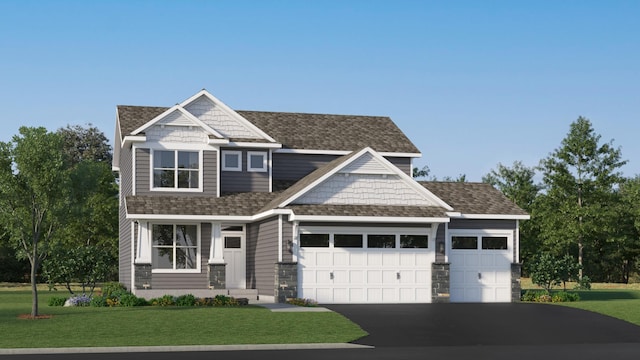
<point x="234" y="257"/>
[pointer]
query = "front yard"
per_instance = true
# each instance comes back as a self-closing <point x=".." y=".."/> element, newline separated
<point x="161" y="326"/>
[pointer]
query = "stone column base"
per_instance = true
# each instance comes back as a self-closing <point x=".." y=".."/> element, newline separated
<point x="217" y="276"/>
<point x="516" y="287"/>
<point x="440" y="282"/>
<point x="142" y="276"/>
<point x="286" y="281"/>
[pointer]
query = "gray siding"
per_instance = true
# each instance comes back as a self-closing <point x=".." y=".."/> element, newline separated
<point x="124" y="233"/>
<point x="479" y="224"/>
<point x="244" y="181"/>
<point x="297" y="166"/>
<point x="262" y="255"/>
<point x="143" y="171"/>
<point x="188" y="281"/>
<point x="287" y="241"/>
<point x="403" y="163"/>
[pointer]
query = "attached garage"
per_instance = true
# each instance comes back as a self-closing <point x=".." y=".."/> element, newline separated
<point x="480" y="265"/>
<point x="365" y="265"/>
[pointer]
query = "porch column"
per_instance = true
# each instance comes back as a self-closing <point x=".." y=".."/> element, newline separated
<point x="142" y="262"/>
<point x="217" y="267"/>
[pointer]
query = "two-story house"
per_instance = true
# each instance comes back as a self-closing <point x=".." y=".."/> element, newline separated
<point x="277" y="205"/>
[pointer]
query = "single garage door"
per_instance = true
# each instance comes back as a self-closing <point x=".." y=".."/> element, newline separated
<point x="480" y="266"/>
<point x="339" y="266"/>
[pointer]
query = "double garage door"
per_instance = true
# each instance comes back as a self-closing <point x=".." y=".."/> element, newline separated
<point x="480" y="265"/>
<point x="366" y="266"/>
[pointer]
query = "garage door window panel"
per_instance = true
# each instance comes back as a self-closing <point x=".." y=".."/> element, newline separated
<point x="381" y="241"/>
<point x="347" y="240"/>
<point x="314" y="240"/>
<point x="464" y="242"/>
<point x="414" y="241"/>
<point x="494" y="243"/>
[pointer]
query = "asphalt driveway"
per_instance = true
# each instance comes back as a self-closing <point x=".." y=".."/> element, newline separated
<point x="423" y="325"/>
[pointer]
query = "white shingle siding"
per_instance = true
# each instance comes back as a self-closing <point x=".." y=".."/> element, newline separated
<point x="181" y="134"/>
<point x="359" y="189"/>
<point x="178" y="119"/>
<point x="210" y="114"/>
<point x="366" y="164"/>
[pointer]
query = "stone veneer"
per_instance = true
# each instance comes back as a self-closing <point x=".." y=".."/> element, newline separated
<point x="286" y="283"/>
<point x="440" y="282"/>
<point x="516" y="288"/>
<point x="217" y="276"/>
<point x="142" y="277"/>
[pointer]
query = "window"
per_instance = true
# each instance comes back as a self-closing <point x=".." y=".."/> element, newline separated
<point x="232" y="160"/>
<point x="314" y="240"/>
<point x="381" y="241"/>
<point x="232" y="242"/>
<point x="347" y="241"/>
<point x="414" y="241"/>
<point x="464" y="242"/>
<point x="176" y="169"/>
<point x="175" y="247"/>
<point x="257" y="161"/>
<point x="494" y="243"/>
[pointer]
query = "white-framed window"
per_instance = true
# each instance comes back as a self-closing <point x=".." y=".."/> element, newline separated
<point x="231" y="160"/>
<point x="175" y="247"/>
<point x="256" y="161"/>
<point x="383" y="239"/>
<point x="176" y="169"/>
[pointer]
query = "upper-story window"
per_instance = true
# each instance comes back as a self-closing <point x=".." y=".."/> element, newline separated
<point x="176" y="169"/>
<point x="257" y="161"/>
<point x="231" y="160"/>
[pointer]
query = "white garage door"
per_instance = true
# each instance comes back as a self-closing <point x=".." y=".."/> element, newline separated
<point x="365" y="267"/>
<point x="480" y="266"/>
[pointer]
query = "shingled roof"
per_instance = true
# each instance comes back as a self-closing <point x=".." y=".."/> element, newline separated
<point x="473" y="198"/>
<point x="238" y="204"/>
<point x="301" y="130"/>
<point x="369" y="210"/>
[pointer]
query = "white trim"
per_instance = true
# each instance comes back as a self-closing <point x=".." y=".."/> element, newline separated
<point x="493" y="216"/>
<point x="366" y="231"/>
<point x="115" y="168"/>
<point x="264" y="155"/>
<point x="143" y="254"/>
<point x="343" y="152"/>
<point x="446" y="245"/>
<point x="371" y="219"/>
<point x="215" y="142"/>
<point x="218" y="171"/>
<point x="255" y="145"/>
<point x="216" y="248"/>
<point x="280" y="238"/>
<point x="250" y="126"/>
<point x="295" y="239"/>
<point x="134" y="171"/>
<point x="168" y="145"/>
<point x="517" y="242"/>
<point x="198" y="268"/>
<point x="132" y="260"/>
<point x="132" y="139"/>
<point x="175" y="187"/>
<point x="224" y="162"/>
<point x="186" y="217"/>
<point x="181" y="110"/>
<point x="270" y="169"/>
<point x="479" y="233"/>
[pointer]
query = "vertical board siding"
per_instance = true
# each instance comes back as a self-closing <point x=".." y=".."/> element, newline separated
<point x="188" y="280"/>
<point x="297" y="166"/>
<point x="124" y="232"/>
<point x="480" y="224"/>
<point x="244" y="181"/>
<point x="143" y="175"/>
<point x="262" y="255"/>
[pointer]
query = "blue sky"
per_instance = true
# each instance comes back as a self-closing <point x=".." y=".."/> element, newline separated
<point x="472" y="83"/>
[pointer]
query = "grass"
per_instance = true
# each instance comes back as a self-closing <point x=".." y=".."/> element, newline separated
<point x="621" y="301"/>
<point x="149" y="326"/>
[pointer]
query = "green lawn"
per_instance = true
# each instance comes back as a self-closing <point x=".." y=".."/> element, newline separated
<point x="89" y="326"/>
<point x="621" y="301"/>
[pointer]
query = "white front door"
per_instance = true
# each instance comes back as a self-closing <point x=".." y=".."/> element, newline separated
<point x="235" y="258"/>
<point x="480" y="266"/>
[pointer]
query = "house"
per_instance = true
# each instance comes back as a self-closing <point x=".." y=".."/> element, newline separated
<point x="279" y="205"/>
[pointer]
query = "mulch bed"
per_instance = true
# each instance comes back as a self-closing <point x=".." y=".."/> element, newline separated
<point x="37" y="317"/>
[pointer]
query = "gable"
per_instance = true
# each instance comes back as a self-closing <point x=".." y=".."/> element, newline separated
<point x="176" y="127"/>
<point x="220" y="120"/>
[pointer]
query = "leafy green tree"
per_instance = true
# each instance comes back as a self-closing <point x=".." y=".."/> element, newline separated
<point x="548" y="271"/>
<point x="421" y="173"/>
<point x="33" y="195"/>
<point x="80" y="143"/>
<point x="85" y="264"/>
<point x="579" y="179"/>
<point x="517" y="183"/>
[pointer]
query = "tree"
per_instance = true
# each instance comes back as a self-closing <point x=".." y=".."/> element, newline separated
<point x="517" y="183"/>
<point x="85" y="264"/>
<point x="421" y="173"/>
<point x="548" y="271"/>
<point x="579" y="179"/>
<point x="33" y="195"/>
<point x="88" y="143"/>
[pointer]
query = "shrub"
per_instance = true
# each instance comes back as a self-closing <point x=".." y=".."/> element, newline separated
<point x="98" y="301"/>
<point x="166" y="300"/>
<point x="222" y="300"/>
<point x="186" y="300"/>
<point x="302" y="302"/>
<point x="543" y="296"/>
<point x="563" y="296"/>
<point x="113" y="289"/>
<point x="206" y="301"/>
<point x="129" y="300"/>
<point x="533" y="295"/>
<point x="584" y="283"/>
<point x="57" y="300"/>
<point x="80" y="300"/>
